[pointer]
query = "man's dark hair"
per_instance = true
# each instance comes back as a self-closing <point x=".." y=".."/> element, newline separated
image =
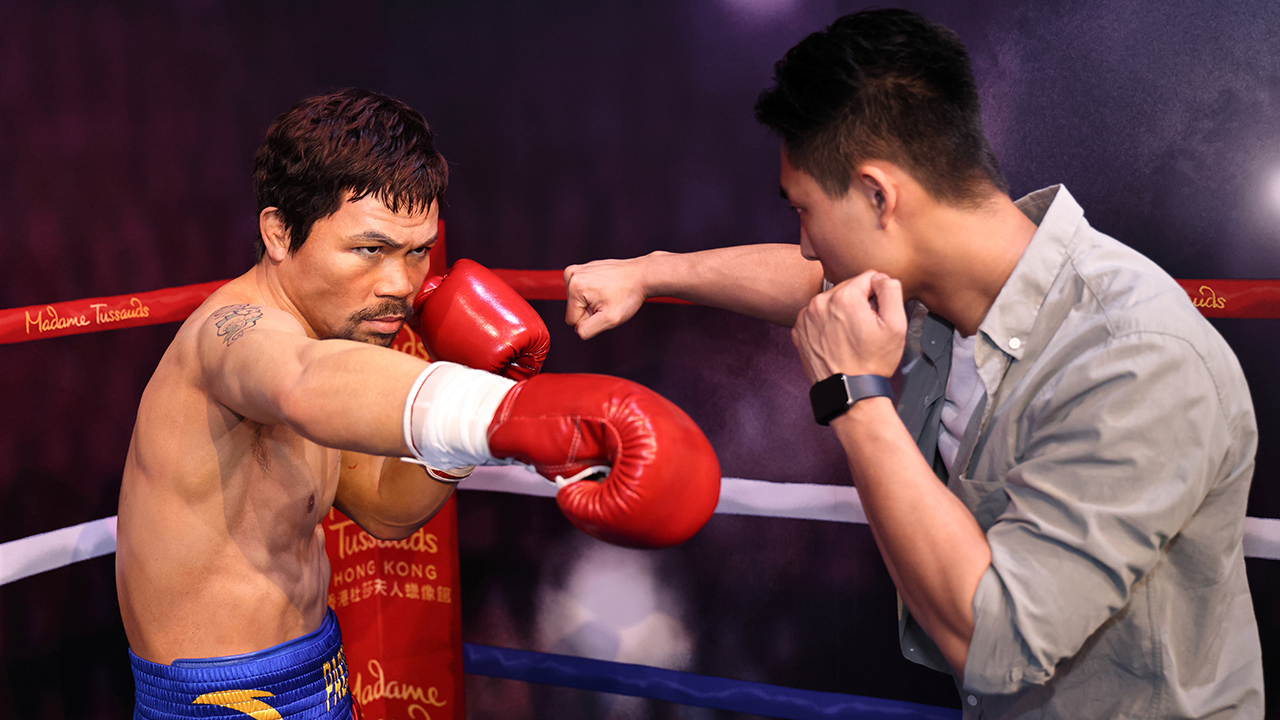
<point x="351" y="140"/>
<point x="886" y="85"/>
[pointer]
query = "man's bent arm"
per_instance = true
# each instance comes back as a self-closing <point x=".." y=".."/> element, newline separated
<point x="388" y="498"/>
<point x="933" y="547"/>
<point x="771" y="282"/>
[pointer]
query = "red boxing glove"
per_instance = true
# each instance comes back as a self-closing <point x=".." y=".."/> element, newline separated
<point x="664" y="481"/>
<point x="471" y="317"/>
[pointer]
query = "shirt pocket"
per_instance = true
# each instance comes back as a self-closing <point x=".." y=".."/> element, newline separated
<point x="986" y="499"/>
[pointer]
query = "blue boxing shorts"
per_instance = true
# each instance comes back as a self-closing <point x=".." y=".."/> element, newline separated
<point x="302" y="678"/>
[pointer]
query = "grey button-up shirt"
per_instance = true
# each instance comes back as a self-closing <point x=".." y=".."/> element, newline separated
<point x="1109" y="465"/>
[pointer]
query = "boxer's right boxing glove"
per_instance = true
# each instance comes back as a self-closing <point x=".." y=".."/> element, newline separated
<point x="663" y="478"/>
<point x="471" y="317"/>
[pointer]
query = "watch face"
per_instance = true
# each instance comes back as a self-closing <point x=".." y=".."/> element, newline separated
<point x="829" y="399"/>
<point x="832" y="397"/>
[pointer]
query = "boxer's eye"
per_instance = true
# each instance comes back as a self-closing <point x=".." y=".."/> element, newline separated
<point x="369" y="251"/>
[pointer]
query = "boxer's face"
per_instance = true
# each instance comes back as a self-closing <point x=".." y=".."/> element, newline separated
<point x="842" y="233"/>
<point x="356" y="275"/>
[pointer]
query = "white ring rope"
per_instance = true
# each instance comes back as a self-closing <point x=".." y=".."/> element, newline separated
<point x="738" y="496"/>
<point x="48" y="551"/>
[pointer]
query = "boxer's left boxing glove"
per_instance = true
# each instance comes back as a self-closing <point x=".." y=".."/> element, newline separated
<point x="471" y="317"/>
<point x="663" y="479"/>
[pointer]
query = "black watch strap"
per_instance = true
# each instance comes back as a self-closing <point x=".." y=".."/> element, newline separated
<point x="833" y="397"/>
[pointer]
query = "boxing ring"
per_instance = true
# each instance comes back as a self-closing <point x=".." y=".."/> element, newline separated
<point x="50" y="551"/>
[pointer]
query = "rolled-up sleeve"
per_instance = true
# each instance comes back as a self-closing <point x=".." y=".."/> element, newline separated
<point x="1103" y="465"/>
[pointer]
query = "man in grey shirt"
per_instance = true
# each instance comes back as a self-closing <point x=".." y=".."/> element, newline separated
<point x="1095" y="434"/>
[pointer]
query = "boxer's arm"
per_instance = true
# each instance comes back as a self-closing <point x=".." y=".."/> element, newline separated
<point x="771" y="282"/>
<point x="388" y="498"/>
<point x="258" y="362"/>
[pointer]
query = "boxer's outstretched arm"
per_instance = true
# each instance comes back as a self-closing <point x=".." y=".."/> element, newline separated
<point x="769" y="281"/>
<point x="258" y="362"/>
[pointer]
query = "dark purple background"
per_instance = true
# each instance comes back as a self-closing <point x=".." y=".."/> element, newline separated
<point x="575" y="131"/>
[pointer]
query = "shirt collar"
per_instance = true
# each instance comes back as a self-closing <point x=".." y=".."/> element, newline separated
<point x="1008" y="322"/>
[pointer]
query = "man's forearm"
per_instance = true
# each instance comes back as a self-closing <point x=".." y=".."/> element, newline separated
<point x="931" y="543"/>
<point x="771" y="282"/>
<point x="388" y="498"/>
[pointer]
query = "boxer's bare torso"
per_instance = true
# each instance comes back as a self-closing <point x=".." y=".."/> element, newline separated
<point x="220" y="549"/>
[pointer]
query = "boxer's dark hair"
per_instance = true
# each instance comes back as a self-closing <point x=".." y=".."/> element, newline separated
<point x="886" y="85"/>
<point x="351" y="140"/>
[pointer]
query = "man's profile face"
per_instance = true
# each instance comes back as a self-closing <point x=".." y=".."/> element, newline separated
<point x="356" y="275"/>
<point x="841" y="233"/>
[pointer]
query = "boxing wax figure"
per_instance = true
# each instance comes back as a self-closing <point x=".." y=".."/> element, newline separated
<point x="279" y="399"/>
<point x="1094" y="435"/>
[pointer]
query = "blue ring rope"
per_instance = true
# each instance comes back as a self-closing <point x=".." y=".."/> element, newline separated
<point x="687" y="688"/>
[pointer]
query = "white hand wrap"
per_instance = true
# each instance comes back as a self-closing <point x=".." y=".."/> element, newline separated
<point x="448" y="413"/>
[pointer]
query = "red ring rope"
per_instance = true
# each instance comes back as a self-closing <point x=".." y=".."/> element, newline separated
<point x="1251" y="299"/>
<point x="76" y="317"/>
<point x="1245" y="299"/>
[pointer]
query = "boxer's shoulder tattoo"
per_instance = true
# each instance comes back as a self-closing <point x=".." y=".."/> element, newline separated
<point x="233" y="321"/>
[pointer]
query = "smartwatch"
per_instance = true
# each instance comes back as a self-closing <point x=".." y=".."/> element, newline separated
<point x="833" y="397"/>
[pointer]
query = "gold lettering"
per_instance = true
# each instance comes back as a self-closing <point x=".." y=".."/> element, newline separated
<point x="136" y="309"/>
<point x="1210" y="301"/>
<point x="411" y="345"/>
<point x="357" y="540"/>
<point x="328" y="685"/>
<point x="335" y="679"/>
<point x="394" y="690"/>
<point x="53" y="322"/>
<point x="395" y="568"/>
<point x="352" y="573"/>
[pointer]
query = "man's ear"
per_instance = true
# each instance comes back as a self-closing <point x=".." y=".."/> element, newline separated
<point x="275" y="236"/>
<point x="879" y="189"/>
